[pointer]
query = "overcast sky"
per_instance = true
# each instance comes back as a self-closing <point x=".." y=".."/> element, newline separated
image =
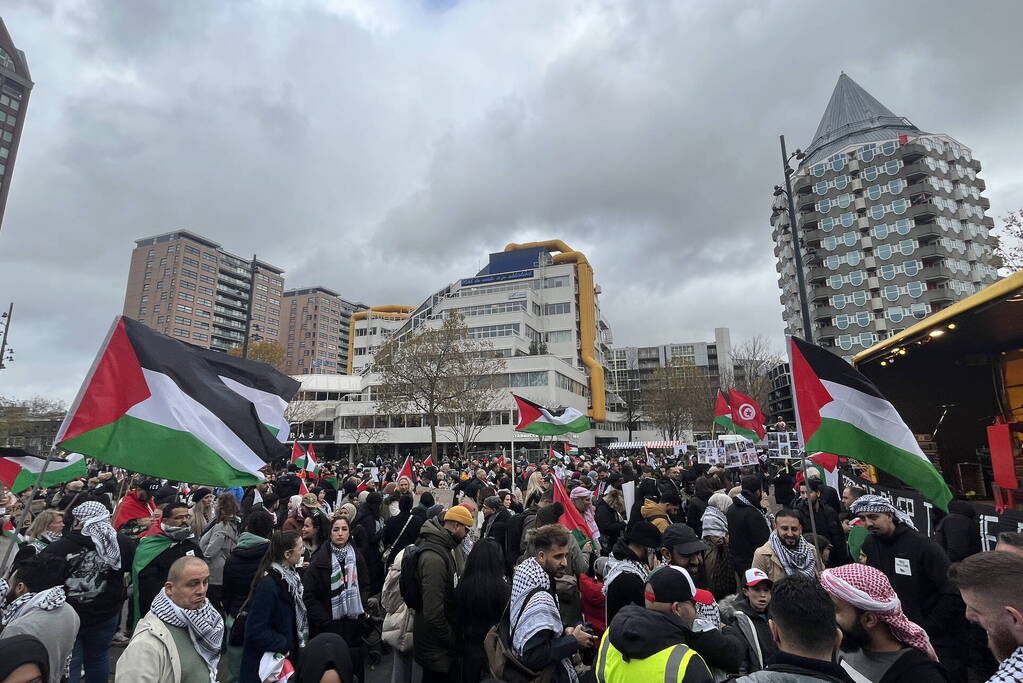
<point x="384" y="148"/>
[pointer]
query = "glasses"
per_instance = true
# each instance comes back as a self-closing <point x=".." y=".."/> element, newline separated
<point x="868" y="152"/>
<point x="913" y="289"/>
<point x="905" y="247"/>
<point x="840" y="301"/>
<point x="862" y="319"/>
<point x="849" y="239"/>
<point x="864" y="339"/>
<point x="852" y="258"/>
<point x="841" y="201"/>
<point x="890" y="168"/>
<point x="900" y="227"/>
<point x="846" y="220"/>
<point x="896" y="186"/>
<point x="855" y="278"/>
<point x="898" y="207"/>
<point x="838" y="183"/>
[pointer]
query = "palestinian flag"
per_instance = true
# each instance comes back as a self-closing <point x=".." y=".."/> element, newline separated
<point x="158" y="406"/>
<point x="305" y="461"/>
<point x="723" y="413"/>
<point x="428" y="462"/>
<point x="19" y="469"/>
<point x="571" y="519"/>
<point x="746" y="416"/>
<point x="535" y="419"/>
<point x="840" y="411"/>
<point x="406" y="469"/>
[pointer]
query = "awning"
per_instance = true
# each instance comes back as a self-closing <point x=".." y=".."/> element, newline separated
<point x="622" y="445"/>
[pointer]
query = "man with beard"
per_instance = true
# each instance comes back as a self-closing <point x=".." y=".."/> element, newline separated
<point x="878" y="642"/>
<point x="786" y="551"/>
<point x="748" y="528"/>
<point x="917" y="568"/>
<point x="538" y="636"/>
<point x="990" y="586"/>
<point x="156" y="554"/>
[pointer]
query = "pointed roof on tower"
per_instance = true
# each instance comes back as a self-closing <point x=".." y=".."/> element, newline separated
<point x="852" y="116"/>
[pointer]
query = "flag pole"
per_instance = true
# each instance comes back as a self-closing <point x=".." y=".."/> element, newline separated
<point x="809" y="506"/>
<point x="24" y="513"/>
<point x="799" y="432"/>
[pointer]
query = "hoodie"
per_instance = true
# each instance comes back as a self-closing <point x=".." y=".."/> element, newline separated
<point x="436" y="640"/>
<point x="638" y="633"/>
<point x="655" y="514"/>
<point x="240" y="568"/>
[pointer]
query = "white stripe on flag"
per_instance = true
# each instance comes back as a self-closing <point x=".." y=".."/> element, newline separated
<point x="269" y="407"/>
<point x="872" y="415"/>
<point x="36" y="464"/>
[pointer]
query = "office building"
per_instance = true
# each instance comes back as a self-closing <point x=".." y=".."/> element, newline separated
<point x="892" y="220"/>
<point x="314" y="331"/>
<point x="15" y="87"/>
<point x="186" y="286"/>
<point x="779" y="404"/>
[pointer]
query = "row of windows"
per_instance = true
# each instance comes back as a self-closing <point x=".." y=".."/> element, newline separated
<point x="493" y="418"/>
<point x="491" y="331"/>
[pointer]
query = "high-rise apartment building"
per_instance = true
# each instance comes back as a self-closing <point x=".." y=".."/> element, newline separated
<point x="15" y="87"/>
<point x="314" y="331"/>
<point x="184" y="285"/>
<point x="892" y="221"/>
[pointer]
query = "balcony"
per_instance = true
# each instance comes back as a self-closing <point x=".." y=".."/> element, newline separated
<point x="937" y="272"/>
<point x="941" y="296"/>
<point x="235" y="303"/>
<point x="223" y="310"/>
<point x="230" y="291"/>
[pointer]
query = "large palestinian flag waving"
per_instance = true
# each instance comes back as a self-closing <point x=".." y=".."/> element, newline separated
<point x="841" y="412"/>
<point x="154" y="405"/>
<point x="536" y="419"/>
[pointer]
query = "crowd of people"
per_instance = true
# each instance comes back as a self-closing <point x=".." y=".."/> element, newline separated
<point x="463" y="572"/>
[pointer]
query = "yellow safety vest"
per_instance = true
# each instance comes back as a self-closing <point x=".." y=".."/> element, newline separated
<point x="669" y="664"/>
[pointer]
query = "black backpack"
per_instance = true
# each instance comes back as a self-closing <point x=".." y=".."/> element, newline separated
<point x="409" y="585"/>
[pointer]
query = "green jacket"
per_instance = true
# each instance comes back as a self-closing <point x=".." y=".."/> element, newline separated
<point x="436" y="639"/>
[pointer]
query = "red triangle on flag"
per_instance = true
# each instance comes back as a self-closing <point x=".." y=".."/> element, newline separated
<point x="302" y="490"/>
<point x="296" y="452"/>
<point x="428" y="462"/>
<point x="406" y="468"/>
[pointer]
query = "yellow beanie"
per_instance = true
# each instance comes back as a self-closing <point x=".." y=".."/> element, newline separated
<point x="459" y="514"/>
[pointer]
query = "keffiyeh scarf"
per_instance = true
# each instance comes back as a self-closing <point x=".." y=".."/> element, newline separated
<point x="294" y="583"/>
<point x="95" y="520"/>
<point x="49" y="599"/>
<point x="345" y="601"/>
<point x="1011" y="668"/>
<point x="540" y="613"/>
<point x="205" y="627"/>
<point x="714" y="522"/>
<point x="795" y="561"/>
<point x="878" y="504"/>
<point x="868" y="589"/>
<point x="615" y="567"/>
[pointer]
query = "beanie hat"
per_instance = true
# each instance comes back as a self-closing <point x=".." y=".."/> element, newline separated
<point x="459" y="514"/>
<point x="492" y="502"/>
<point x="644" y="534"/>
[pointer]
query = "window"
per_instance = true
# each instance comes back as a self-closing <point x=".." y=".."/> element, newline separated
<point x="185" y="296"/>
<point x="559" y="336"/>
<point x="187" y="285"/>
<point x="184" y="309"/>
<point x="490" y="331"/>
<point x="204" y="290"/>
<point x="199" y="336"/>
<point x="190" y="262"/>
<point x="181" y="320"/>
<point x="209" y="257"/>
<point x="208" y="268"/>
<point x="557" y="309"/>
<point x="191" y="250"/>
<point x="185" y="272"/>
<point x="178" y="332"/>
<point x="208" y="280"/>
<point x="145" y="287"/>
<point x="560" y="281"/>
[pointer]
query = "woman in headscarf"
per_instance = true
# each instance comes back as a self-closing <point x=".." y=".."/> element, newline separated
<point x="277" y="616"/>
<point x="337" y="590"/>
<point x="23" y="658"/>
<point x="717" y="559"/>
<point x="202" y="511"/>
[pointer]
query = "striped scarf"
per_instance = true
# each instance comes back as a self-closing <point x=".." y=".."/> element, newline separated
<point x="46" y="600"/>
<point x="291" y="578"/>
<point x="345" y="601"/>
<point x="794" y="561"/>
<point x="205" y="627"/>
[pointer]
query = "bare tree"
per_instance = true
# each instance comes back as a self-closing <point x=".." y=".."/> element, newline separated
<point x="469" y="411"/>
<point x="299" y="412"/>
<point x="753" y="359"/>
<point x="365" y="438"/>
<point x="679" y="398"/>
<point x="429" y="370"/>
<point x="1010" y="241"/>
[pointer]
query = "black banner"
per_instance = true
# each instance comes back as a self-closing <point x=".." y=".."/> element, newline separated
<point x="919" y="509"/>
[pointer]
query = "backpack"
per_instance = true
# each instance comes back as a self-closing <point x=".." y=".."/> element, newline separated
<point x="409" y="585"/>
<point x="501" y="658"/>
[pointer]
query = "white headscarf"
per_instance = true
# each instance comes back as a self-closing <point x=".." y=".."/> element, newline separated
<point x="96" y="525"/>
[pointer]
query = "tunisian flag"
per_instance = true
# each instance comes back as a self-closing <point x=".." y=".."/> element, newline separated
<point x="746" y="415"/>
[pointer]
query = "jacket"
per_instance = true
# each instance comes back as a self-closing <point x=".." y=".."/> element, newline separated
<point x="784" y="489"/>
<point x="626" y="588"/>
<point x="737" y="612"/>
<point x="958" y="533"/>
<point x="316" y="581"/>
<point x="765" y="560"/>
<point x="216" y="546"/>
<point x="637" y="635"/>
<point x="94" y="590"/>
<point x="397" y="628"/>
<point x="747" y="530"/>
<point x="695" y="507"/>
<point x="150" y="656"/>
<point x="366" y="538"/>
<point x="609" y="522"/>
<point x="828" y="526"/>
<point x="913" y="666"/>
<point x="496" y="527"/>
<point x="655" y="514"/>
<point x="437" y="641"/>
<point x="792" y="669"/>
<point x="240" y="568"/>
<point x="56" y="629"/>
<point x="270" y="626"/>
<point x="401" y="538"/>
<point x="153" y="575"/>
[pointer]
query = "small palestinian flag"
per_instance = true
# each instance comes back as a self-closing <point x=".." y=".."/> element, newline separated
<point x="841" y="412"/>
<point x="723" y="413"/>
<point x="406" y="469"/>
<point x="571" y="519"/>
<point x="535" y="419"/>
<point x="304" y="460"/>
<point x="20" y="469"/>
<point x="158" y="406"/>
<point x="428" y="462"/>
<point x="747" y="416"/>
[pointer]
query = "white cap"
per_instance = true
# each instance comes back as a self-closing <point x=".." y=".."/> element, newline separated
<point x="755" y="576"/>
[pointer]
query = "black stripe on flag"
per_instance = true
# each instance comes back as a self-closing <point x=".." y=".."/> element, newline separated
<point x="832" y="368"/>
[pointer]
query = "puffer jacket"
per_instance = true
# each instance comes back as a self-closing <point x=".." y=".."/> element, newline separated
<point x="656" y="515"/>
<point x="217" y="544"/>
<point x="397" y="628"/>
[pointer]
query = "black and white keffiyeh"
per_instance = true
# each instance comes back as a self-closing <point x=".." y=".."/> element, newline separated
<point x="49" y="599"/>
<point x="95" y="520"/>
<point x="1011" y="668"/>
<point x="345" y="600"/>
<point x="615" y="567"/>
<point x="870" y="503"/>
<point x="205" y="627"/>
<point x="799" y="560"/>
<point x="294" y="582"/>
<point x="540" y="613"/>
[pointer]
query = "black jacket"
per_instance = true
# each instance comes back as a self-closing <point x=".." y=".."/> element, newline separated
<point x="784" y="489"/>
<point x="695" y="507"/>
<point x="828" y="526"/>
<point x="914" y="667"/>
<point x="609" y="523"/>
<point x="288" y="486"/>
<point x="239" y="570"/>
<point x="496" y="527"/>
<point x="367" y="540"/>
<point x="393" y="527"/>
<point x="754" y="630"/>
<point x="627" y="587"/>
<point x="316" y="595"/>
<point x="270" y="626"/>
<point x="958" y="533"/>
<point x="812" y="668"/>
<point x="638" y="633"/>
<point x="436" y="639"/>
<point x="94" y="590"/>
<point x="747" y="530"/>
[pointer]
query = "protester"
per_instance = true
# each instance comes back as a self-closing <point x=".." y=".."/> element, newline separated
<point x="437" y="639"/>
<point x="96" y="559"/>
<point x="538" y="636"/>
<point x="202" y="511"/>
<point x="242" y="564"/>
<point x="958" y="533"/>
<point x="747" y="614"/>
<point x="852" y="525"/>
<point x="156" y="553"/>
<point x="718" y="565"/>
<point x="277" y="616"/>
<point x="46" y="527"/>
<point x="23" y="659"/>
<point x="786" y="551"/>
<point x="336" y="591"/>
<point x="990" y="586"/>
<point x="748" y="528"/>
<point x="367" y="532"/>
<point x="609" y="514"/>
<point x="878" y="642"/>
<point x="649" y="643"/>
<point x="217" y="544"/>
<point x="1010" y="542"/>
<point x="633" y="557"/>
<point x="824" y="516"/>
<point x="481" y="596"/>
<point x="697" y="503"/>
<point x="784" y="488"/>
<point x="179" y="640"/>
<point x="656" y="513"/>
<point x="137" y="510"/>
<point x="327" y="659"/>
<point x="315" y="533"/>
<point x="495" y="525"/>
<point x="35" y="604"/>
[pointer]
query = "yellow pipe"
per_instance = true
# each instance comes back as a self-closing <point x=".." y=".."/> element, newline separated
<point x="395" y="311"/>
<point x="587" y="316"/>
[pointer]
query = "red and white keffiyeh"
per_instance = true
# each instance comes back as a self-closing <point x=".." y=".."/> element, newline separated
<point x="868" y="589"/>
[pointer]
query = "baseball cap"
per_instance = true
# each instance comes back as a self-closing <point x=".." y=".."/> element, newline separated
<point x="682" y="539"/>
<point x="674" y="584"/>
<point x="755" y="576"/>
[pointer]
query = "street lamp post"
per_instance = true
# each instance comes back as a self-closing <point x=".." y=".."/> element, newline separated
<point x="6" y="318"/>
<point x="248" y="310"/>
<point x="787" y="171"/>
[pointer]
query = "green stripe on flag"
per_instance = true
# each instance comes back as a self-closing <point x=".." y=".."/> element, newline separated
<point x="726" y="422"/>
<point x="56" y="473"/>
<point x="580" y="424"/>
